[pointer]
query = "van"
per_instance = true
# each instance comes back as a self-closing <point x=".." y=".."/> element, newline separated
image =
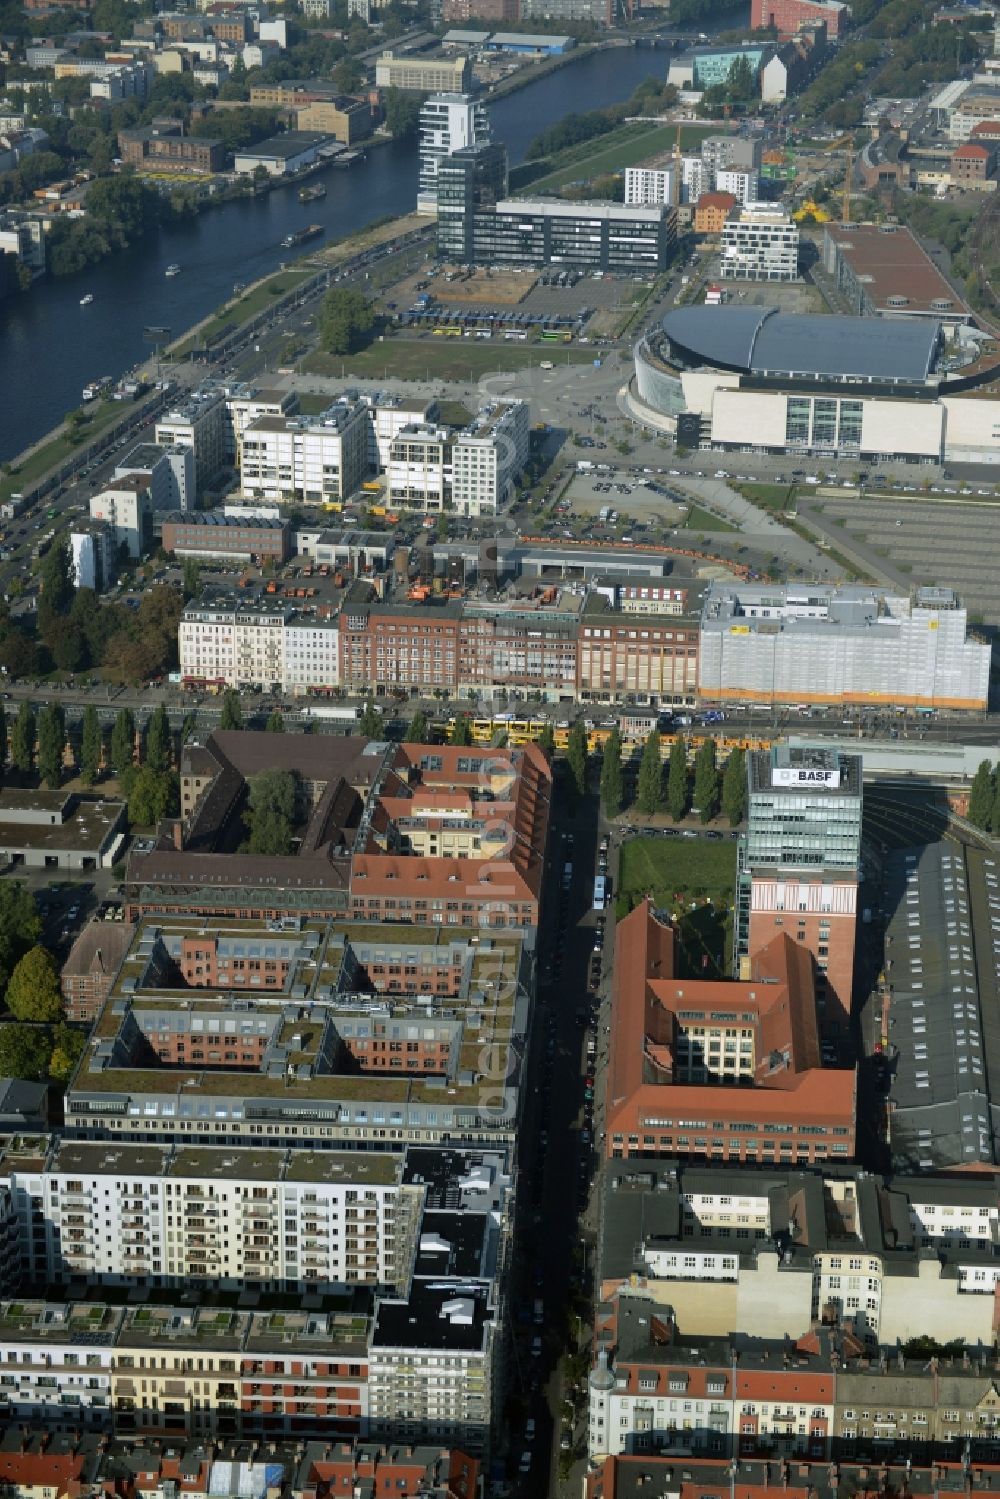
<point x="546" y="364"/>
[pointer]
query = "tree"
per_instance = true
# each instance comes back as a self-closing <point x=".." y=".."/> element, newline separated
<point x="348" y="75"/>
<point x="22" y="740"/>
<point x="191" y="579"/>
<point x="370" y="724"/>
<point x="91" y="745"/>
<point x="612" y="787"/>
<point x="67" y="1048"/>
<point x="51" y="744"/>
<point x="275" y="722"/>
<point x="402" y="112"/>
<point x="677" y="779"/>
<point x="231" y="716"/>
<point x="3" y="738"/>
<point x="547" y="741"/>
<point x="576" y="758"/>
<point x="20" y="926"/>
<point x="24" y="1052"/>
<point x="270" y="817"/>
<point x="734" y="788"/>
<point x="152" y="795"/>
<point x="33" y="989"/>
<point x="123" y="740"/>
<point x="706" y="780"/>
<point x="461" y="730"/>
<point x="56" y="584"/>
<point x="157" y="754"/>
<point x="346" y="319"/>
<point x="649" y="795"/>
<point x="418" y="731"/>
<point x="981" y="796"/>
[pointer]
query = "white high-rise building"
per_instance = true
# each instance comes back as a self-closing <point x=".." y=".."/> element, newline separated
<point x="761" y="244"/>
<point x="743" y="184"/>
<point x="447" y="123"/>
<point x="695" y="179"/>
<point x="653" y="183"/>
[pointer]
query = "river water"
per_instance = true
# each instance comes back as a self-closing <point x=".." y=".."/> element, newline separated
<point x="50" y="346"/>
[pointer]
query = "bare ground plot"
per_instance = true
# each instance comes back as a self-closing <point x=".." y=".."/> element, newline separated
<point x="935" y="542"/>
<point x="480" y="289"/>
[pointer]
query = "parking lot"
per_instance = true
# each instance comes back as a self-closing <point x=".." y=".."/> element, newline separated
<point x="589" y="494"/>
<point x="940" y="541"/>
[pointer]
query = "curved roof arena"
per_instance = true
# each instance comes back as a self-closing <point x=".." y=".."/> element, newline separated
<point x="764" y="341"/>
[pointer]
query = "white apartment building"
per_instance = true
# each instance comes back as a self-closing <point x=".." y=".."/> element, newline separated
<point x="744" y="185"/>
<point x="473" y="470"/>
<point x="126" y="507"/>
<point x="388" y="415"/>
<point x="448" y="122"/>
<point x="311" y="655"/>
<point x="298" y="458"/>
<point x="92" y="556"/>
<point x="56" y="1362"/>
<point x="650" y="184"/>
<point x="419" y="472"/>
<point x="760" y="244"/>
<point x="433" y="1365"/>
<point x="169" y="472"/>
<point x="200" y="423"/>
<point x="229" y="643"/>
<point x="488" y="456"/>
<point x="696" y="178"/>
<point x="118" y="1214"/>
<point x="246" y="405"/>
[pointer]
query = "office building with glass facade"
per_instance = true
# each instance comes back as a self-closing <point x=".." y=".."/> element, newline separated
<point x="478" y="225"/>
<point x="798" y="863"/>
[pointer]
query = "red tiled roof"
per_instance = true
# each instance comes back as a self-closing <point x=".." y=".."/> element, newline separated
<point x="717" y="200"/>
<point x="970" y="152"/>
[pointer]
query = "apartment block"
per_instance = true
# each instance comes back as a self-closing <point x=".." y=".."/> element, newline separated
<point x="200" y="423"/>
<point x="722" y="1071"/>
<point x="653" y="182"/>
<point x="168" y="471"/>
<point x="298" y="458"/>
<point x="711" y="212"/>
<point x="448" y="122"/>
<point x="761" y="243"/>
<point x="197" y="1216"/>
<point x="126" y="508"/>
<point x="471" y="471"/>
<point x="225" y="643"/>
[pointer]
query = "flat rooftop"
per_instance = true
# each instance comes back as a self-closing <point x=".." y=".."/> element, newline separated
<point x="892" y="264"/>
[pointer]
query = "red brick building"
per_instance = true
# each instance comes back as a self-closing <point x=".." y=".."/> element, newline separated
<point x="789" y="16"/>
<point x="974" y="164"/>
<point x="725" y="1071"/>
<point x="89" y="971"/>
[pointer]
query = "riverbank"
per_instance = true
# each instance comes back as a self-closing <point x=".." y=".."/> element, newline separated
<point x="535" y="72"/>
<point x="47" y="460"/>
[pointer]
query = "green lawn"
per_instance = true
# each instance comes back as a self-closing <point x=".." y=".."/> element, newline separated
<point x="694" y="880"/>
<point x="776" y="497"/>
<point x="699" y="519"/>
<point x="454" y="414"/>
<point x="611" y="153"/>
<point x="440" y="358"/>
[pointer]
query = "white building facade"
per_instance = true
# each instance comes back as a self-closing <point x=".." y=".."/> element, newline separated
<point x="448" y="122"/>
<point x="314" y="462"/>
<point x="761" y="243"/>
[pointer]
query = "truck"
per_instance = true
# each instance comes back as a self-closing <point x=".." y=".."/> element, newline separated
<point x="335" y="713"/>
<point x="583" y="465"/>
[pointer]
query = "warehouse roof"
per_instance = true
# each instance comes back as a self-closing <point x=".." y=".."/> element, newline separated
<point x="897" y="273"/>
<point x="763" y="340"/>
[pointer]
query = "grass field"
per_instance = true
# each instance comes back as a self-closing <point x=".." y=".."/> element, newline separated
<point x="777" y="497"/>
<point x="439" y="358"/>
<point x="694" y="880"/>
<point x="699" y="519"/>
<point x="611" y="153"/>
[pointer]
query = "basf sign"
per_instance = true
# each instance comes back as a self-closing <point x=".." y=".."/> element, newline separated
<point x="805" y="775"/>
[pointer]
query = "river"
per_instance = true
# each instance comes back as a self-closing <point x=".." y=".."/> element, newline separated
<point x="50" y="346"/>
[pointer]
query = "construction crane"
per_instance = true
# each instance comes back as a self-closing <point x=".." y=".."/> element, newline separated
<point x="675" y="185"/>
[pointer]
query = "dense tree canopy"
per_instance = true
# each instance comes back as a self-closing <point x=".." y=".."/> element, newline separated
<point x="270" y="816"/>
<point x="33" y="991"/>
<point x="346" y="319"/>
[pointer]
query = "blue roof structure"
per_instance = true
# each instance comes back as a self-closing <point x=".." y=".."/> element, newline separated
<point x="764" y="341"/>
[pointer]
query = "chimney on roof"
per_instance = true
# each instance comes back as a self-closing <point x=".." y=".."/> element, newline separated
<point x="178" y="835"/>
